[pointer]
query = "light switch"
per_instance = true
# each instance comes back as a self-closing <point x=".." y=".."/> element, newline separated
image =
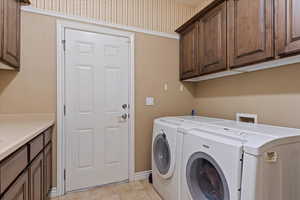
<point x="149" y="101"/>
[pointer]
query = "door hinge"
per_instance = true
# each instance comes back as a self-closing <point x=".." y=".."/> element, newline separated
<point x="64" y="44"/>
<point x="65" y="110"/>
<point x="64" y="174"/>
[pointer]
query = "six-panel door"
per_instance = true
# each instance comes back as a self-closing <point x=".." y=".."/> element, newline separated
<point x="212" y="41"/>
<point x="188" y="51"/>
<point x="288" y="27"/>
<point x="250" y="29"/>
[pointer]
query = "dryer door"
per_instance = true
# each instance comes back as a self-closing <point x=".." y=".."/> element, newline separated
<point x="162" y="154"/>
<point x="205" y="178"/>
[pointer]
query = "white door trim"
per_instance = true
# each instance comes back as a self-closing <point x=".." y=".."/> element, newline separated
<point x="61" y="26"/>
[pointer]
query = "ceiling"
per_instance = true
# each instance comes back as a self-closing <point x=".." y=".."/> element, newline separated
<point x="189" y="2"/>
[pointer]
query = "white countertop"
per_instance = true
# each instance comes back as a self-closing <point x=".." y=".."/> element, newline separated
<point x="17" y="130"/>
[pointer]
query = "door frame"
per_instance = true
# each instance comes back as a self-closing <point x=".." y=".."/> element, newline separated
<point x="62" y="25"/>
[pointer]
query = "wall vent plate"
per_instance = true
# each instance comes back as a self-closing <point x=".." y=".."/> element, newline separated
<point x="247" y="118"/>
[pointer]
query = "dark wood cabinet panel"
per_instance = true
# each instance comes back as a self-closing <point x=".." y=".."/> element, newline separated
<point x="212" y="41"/>
<point x="250" y="29"/>
<point x="47" y="170"/>
<point x="188" y="51"/>
<point x="288" y="27"/>
<point x="1" y="27"/>
<point x="11" y="167"/>
<point x="36" y="146"/>
<point x="36" y="178"/>
<point x="19" y="190"/>
<point x="11" y="32"/>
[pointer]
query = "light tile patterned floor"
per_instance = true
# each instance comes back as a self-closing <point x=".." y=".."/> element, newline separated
<point x="140" y="190"/>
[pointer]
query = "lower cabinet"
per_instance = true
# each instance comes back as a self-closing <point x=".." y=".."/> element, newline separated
<point x="24" y="177"/>
<point x="36" y="178"/>
<point x="47" y="170"/>
<point x="19" y="190"/>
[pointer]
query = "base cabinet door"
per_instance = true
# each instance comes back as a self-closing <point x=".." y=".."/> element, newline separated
<point x="19" y="190"/>
<point x="212" y="41"/>
<point x="250" y="29"/>
<point x="288" y="27"/>
<point x="188" y="51"/>
<point x="47" y="170"/>
<point x="36" y="178"/>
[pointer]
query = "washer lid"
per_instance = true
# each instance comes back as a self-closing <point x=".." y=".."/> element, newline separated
<point x="258" y="138"/>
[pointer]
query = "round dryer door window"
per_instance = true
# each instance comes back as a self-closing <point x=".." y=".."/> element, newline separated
<point x="205" y="178"/>
<point x="162" y="154"/>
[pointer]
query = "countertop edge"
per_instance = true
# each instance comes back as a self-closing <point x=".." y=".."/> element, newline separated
<point x="19" y="143"/>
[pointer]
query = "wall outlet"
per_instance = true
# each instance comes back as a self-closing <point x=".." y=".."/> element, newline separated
<point x="181" y="88"/>
<point x="165" y="87"/>
<point x="149" y="101"/>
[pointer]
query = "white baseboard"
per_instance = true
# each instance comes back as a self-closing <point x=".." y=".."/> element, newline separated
<point x="142" y="175"/>
<point x="53" y="192"/>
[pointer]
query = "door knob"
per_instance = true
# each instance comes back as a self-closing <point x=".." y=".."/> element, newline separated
<point x="124" y="106"/>
<point x="124" y="116"/>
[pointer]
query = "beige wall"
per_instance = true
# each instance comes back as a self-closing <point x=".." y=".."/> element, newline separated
<point x="156" y="15"/>
<point x="33" y="90"/>
<point x="272" y="94"/>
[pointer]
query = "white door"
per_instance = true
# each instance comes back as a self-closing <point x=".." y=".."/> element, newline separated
<point x="96" y="90"/>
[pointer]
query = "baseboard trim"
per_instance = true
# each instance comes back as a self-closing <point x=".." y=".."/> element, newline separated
<point x="142" y="175"/>
<point x="53" y="192"/>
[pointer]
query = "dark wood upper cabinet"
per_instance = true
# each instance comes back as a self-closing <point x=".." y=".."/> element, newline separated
<point x="10" y="22"/>
<point x="288" y="27"/>
<point x="188" y="52"/>
<point x="250" y="29"/>
<point x="11" y="33"/>
<point x="1" y="28"/>
<point x="212" y="41"/>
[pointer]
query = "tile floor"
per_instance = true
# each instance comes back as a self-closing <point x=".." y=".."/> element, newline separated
<point x="140" y="190"/>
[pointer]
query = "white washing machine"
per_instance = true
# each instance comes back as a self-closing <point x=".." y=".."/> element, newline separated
<point x="233" y="161"/>
<point x="167" y="151"/>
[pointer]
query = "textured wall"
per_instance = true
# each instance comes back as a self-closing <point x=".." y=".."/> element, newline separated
<point x="202" y="5"/>
<point x="156" y="15"/>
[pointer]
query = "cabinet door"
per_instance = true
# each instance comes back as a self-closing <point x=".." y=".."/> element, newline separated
<point x="36" y="178"/>
<point x="19" y="190"/>
<point x="251" y="35"/>
<point x="188" y="51"/>
<point x="11" y="34"/>
<point x="47" y="170"/>
<point x="288" y="27"/>
<point x="212" y="41"/>
<point x="1" y="28"/>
